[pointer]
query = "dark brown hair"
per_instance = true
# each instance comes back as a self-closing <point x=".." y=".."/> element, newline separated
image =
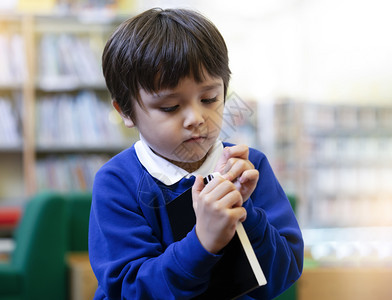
<point x="157" y="48"/>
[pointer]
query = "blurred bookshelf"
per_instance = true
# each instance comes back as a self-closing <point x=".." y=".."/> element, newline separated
<point x="337" y="158"/>
<point x="57" y="126"/>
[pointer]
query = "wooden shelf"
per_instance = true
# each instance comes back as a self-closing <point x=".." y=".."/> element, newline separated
<point x="101" y="148"/>
<point x="11" y="149"/>
<point x="9" y="86"/>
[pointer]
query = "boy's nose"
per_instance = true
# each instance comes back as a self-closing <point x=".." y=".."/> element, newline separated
<point x="193" y="118"/>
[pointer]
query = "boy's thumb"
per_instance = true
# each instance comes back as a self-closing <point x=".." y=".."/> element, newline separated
<point x="198" y="185"/>
<point x="220" y="166"/>
<point x="196" y="189"/>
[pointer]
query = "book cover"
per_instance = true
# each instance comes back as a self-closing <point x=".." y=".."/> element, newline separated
<point x="238" y="271"/>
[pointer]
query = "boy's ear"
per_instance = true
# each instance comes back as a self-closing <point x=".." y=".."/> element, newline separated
<point x="127" y="120"/>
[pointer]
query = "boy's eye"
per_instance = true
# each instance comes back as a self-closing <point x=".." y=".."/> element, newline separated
<point x="169" y="109"/>
<point x="208" y="101"/>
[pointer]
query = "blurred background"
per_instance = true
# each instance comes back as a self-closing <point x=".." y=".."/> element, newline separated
<point x="311" y="87"/>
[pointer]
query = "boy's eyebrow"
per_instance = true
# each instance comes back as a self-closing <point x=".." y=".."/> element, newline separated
<point x="168" y="93"/>
<point x="213" y="86"/>
<point x="164" y="94"/>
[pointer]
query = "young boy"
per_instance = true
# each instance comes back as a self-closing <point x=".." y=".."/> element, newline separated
<point x="167" y="72"/>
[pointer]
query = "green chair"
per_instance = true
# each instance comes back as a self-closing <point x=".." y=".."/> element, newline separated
<point x="37" y="267"/>
<point x="291" y="292"/>
<point x="78" y="215"/>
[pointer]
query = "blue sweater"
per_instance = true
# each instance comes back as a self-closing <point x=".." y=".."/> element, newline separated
<point x="131" y="247"/>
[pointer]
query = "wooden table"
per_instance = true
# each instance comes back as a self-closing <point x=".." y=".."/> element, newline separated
<point x="350" y="283"/>
<point x="82" y="281"/>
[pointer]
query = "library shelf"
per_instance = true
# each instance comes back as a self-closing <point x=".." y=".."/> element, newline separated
<point x="58" y="57"/>
<point x="337" y="159"/>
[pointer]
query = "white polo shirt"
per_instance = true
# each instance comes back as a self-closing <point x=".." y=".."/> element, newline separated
<point x="167" y="172"/>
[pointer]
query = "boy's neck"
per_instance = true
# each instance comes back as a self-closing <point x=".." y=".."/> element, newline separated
<point x="189" y="166"/>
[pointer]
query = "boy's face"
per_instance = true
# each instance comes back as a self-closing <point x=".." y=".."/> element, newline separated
<point x="181" y="124"/>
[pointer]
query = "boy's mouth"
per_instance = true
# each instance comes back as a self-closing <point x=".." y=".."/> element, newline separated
<point x="196" y="139"/>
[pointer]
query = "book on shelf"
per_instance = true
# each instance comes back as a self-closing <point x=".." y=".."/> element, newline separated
<point x="238" y="271"/>
<point x="82" y="120"/>
<point x="9" y="133"/>
<point x="12" y="60"/>
<point x="68" y="173"/>
<point x="70" y="62"/>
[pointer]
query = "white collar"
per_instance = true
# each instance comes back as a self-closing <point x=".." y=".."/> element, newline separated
<point x="169" y="173"/>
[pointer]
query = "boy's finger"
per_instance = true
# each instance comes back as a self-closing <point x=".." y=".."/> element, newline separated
<point x="239" y="151"/>
<point x="198" y="185"/>
<point x="239" y="213"/>
<point x="213" y="184"/>
<point x="220" y="166"/>
<point x="235" y="167"/>
<point x="217" y="189"/>
<point x="243" y="216"/>
<point x="249" y="175"/>
<point x="231" y="200"/>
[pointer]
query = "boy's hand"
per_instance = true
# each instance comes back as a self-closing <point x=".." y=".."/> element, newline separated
<point x="218" y="209"/>
<point x="235" y="166"/>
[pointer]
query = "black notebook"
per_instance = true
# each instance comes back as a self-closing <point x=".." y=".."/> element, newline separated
<point x="238" y="271"/>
